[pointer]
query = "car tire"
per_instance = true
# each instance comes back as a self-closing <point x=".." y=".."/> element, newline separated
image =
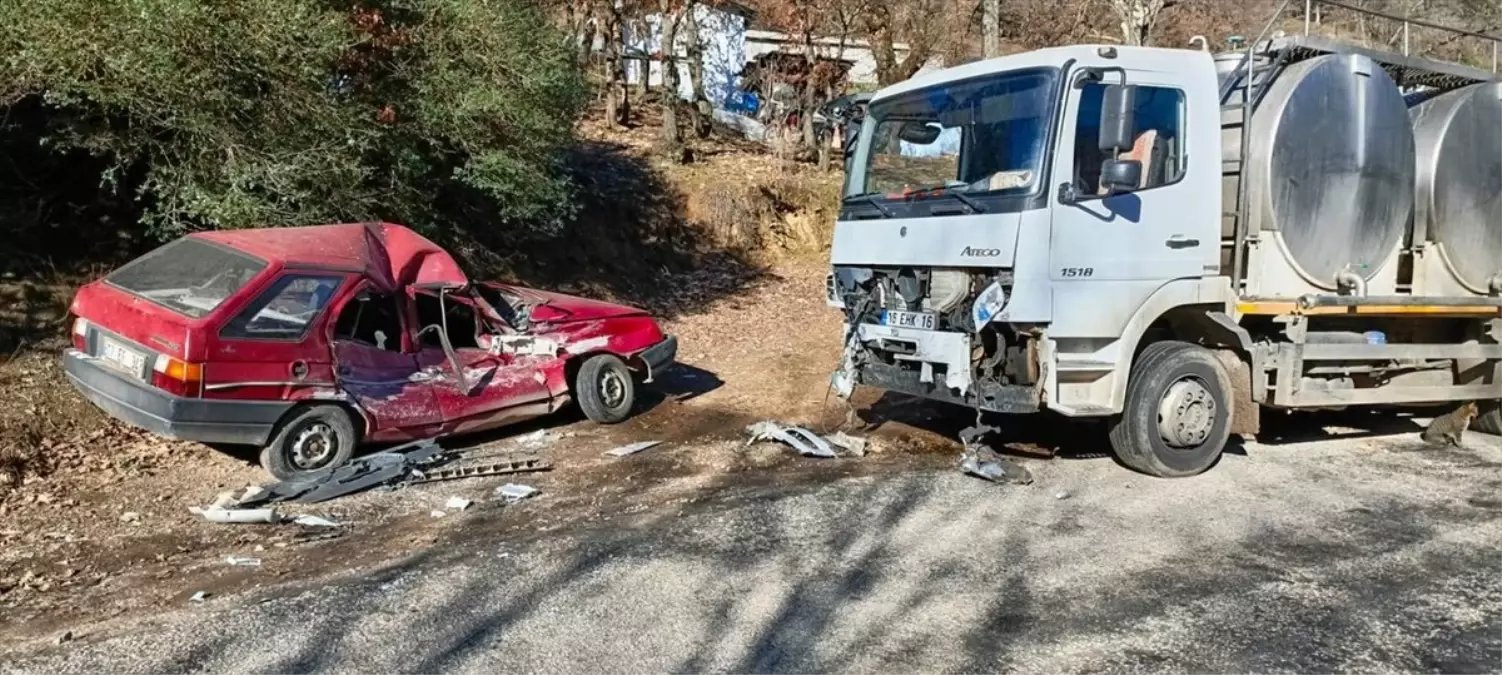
<point x="310" y="440"/>
<point x="605" y="389"/>
<point x="1177" y="416"/>
<point x="1490" y="419"/>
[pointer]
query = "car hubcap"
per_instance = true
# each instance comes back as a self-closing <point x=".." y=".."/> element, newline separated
<point x="612" y="389"/>
<point x="314" y="447"/>
<point x="1186" y="414"/>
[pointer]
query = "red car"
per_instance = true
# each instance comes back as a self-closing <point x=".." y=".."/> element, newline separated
<point x="308" y="342"/>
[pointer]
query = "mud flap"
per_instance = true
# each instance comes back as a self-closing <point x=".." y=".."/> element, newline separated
<point x="1246" y="414"/>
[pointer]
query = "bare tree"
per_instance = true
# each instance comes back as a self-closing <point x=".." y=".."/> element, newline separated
<point x="1138" y="18"/>
<point x="608" y="27"/>
<point x="671" y="15"/>
<point x="991" y="27"/>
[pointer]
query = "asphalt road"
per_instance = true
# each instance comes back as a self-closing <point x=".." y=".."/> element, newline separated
<point x="1336" y="555"/>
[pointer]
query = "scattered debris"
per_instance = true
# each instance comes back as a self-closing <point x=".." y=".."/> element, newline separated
<point x="535" y="439"/>
<point x="515" y="492"/>
<point x="854" y="445"/>
<point x="492" y="468"/>
<point x="457" y="503"/>
<point x="632" y="449"/>
<point x="1061" y="494"/>
<point x="199" y="597"/>
<point x="437" y="514"/>
<point x="359" y="474"/>
<point x="228" y="516"/>
<point x="130" y="517"/>
<point x="806" y="442"/>
<point x="985" y="463"/>
<point x="314" y="521"/>
<point x="241" y="561"/>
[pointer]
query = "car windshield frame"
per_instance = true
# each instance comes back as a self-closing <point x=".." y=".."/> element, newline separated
<point x="960" y="102"/>
<point x="252" y="268"/>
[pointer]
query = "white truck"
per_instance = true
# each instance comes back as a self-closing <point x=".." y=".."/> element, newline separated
<point x="1092" y="230"/>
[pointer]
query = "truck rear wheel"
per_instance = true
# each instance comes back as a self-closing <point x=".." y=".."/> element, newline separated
<point x="1490" y="419"/>
<point x="1177" y="416"/>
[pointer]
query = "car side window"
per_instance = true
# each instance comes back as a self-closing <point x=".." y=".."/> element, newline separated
<point x="1159" y="135"/>
<point x="286" y="310"/>
<point x="372" y="319"/>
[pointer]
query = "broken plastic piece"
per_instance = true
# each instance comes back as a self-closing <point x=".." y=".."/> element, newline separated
<point x="199" y="597"/>
<point x="515" y="492"/>
<point x="854" y="445"/>
<point x="806" y="442"/>
<point x="985" y="463"/>
<point x="632" y="449"/>
<point x="240" y="561"/>
<point x="456" y="503"/>
<point x="314" y="521"/>
<point x="438" y="514"/>
<point x="228" y="516"/>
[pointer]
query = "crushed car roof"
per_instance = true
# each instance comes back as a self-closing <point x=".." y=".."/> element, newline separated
<point x="391" y="255"/>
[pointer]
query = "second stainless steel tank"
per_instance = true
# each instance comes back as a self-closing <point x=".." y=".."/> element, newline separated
<point x="1330" y="166"/>
<point x="1459" y="182"/>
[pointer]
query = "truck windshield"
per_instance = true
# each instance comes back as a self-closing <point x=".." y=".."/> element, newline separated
<point x="984" y="136"/>
<point x="187" y="276"/>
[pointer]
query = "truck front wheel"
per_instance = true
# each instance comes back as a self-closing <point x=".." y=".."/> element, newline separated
<point x="1177" y="416"/>
<point x="1490" y="419"/>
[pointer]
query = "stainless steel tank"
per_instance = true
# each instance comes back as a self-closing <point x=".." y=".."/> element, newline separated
<point x="1459" y="181"/>
<point x="1330" y="165"/>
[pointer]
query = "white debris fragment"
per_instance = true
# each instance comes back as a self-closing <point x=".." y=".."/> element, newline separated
<point x="535" y="439"/>
<point x="632" y="448"/>
<point x="199" y="597"/>
<point x="457" y="503"/>
<point x="219" y="515"/>
<point x="853" y="444"/>
<point x="438" y="514"/>
<point x="515" y="492"/>
<point x="806" y="442"/>
<point x="1061" y="494"/>
<point x="314" y="521"/>
<point x="130" y="517"/>
<point x="242" y="561"/>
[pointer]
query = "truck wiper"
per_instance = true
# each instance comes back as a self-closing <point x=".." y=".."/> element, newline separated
<point x="870" y="198"/>
<point x="975" y="207"/>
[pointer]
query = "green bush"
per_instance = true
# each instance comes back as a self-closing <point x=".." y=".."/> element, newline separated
<point x="443" y="114"/>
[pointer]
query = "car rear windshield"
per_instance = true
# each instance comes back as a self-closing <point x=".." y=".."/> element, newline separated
<point x="187" y="276"/>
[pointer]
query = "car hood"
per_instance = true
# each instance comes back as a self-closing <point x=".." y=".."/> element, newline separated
<point x="548" y="307"/>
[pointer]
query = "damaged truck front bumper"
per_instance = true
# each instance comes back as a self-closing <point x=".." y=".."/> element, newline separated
<point x="139" y="404"/>
<point x="929" y="364"/>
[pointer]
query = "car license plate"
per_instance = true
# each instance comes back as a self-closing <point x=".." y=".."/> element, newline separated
<point x="121" y="357"/>
<point x="923" y="320"/>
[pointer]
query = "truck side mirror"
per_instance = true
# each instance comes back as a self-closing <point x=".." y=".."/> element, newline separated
<point x="1121" y="175"/>
<point x="1118" y="117"/>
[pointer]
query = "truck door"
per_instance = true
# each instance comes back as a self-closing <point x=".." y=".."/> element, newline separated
<point x="1112" y="253"/>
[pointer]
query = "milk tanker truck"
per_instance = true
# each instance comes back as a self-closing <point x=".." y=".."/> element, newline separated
<point x="1095" y="231"/>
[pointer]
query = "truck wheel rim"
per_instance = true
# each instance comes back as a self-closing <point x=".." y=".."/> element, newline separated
<point x="1186" y="414"/>
<point x="314" y="447"/>
<point x="612" y="389"/>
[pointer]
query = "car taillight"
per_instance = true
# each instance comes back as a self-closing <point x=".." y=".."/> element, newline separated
<point x="178" y="377"/>
<point x="81" y="334"/>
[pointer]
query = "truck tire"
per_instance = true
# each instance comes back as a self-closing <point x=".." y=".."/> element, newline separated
<point x="605" y="389"/>
<point x="309" y="440"/>
<point x="1177" y="415"/>
<point x="1490" y="419"/>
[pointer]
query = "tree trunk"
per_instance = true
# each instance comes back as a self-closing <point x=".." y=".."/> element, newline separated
<point x="991" y="27"/>
<point x="617" y="98"/>
<point x="700" y="110"/>
<point x="889" y="70"/>
<point x="670" y="133"/>
<point x="1137" y="19"/>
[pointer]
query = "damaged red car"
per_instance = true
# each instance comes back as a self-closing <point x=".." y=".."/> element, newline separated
<point x="308" y="342"/>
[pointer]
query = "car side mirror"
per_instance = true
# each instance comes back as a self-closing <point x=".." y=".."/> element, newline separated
<point x="1118" y="117"/>
<point x="1121" y="175"/>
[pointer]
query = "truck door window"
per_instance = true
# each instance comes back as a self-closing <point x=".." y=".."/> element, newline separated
<point x="1159" y="134"/>
<point x="284" y="311"/>
<point x="463" y="325"/>
<point x="371" y="319"/>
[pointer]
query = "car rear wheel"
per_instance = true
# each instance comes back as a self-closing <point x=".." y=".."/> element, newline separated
<point x="312" y="439"/>
<point x="1177" y="416"/>
<point x="605" y="389"/>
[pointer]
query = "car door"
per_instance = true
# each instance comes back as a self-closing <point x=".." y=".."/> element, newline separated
<point x="496" y="387"/>
<point x="1114" y="251"/>
<point x="376" y="363"/>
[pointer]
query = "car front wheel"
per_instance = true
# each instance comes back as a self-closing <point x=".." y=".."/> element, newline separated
<point x="605" y="389"/>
